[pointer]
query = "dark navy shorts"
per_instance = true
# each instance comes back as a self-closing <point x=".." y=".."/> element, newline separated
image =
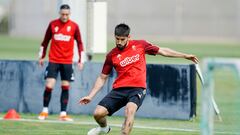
<point x="118" y="98"/>
<point x="65" y="70"/>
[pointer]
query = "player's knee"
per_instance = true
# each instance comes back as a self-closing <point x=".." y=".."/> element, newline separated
<point x="65" y="83"/>
<point x="99" y="113"/>
<point x="50" y="83"/>
<point x="49" y="86"/>
<point x="130" y="111"/>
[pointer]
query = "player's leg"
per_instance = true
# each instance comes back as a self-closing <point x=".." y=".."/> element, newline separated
<point x="66" y="72"/>
<point x="64" y="101"/>
<point x="100" y="114"/>
<point x="50" y="83"/>
<point x="107" y="106"/>
<point x="130" y="111"/>
<point x="135" y="99"/>
<point x="50" y="76"/>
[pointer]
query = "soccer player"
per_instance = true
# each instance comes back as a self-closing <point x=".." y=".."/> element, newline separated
<point x="62" y="33"/>
<point x="129" y="88"/>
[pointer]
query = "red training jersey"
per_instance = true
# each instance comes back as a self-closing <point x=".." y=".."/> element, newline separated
<point x="129" y="63"/>
<point x="62" y="37"/>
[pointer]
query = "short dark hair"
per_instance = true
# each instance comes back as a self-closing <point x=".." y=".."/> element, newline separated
<point x="122" y="29"/>
<point x="64" y="6"/>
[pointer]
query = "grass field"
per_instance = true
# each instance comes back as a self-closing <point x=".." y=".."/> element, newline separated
<point x="83" y="123"/>
<point x="27" y="49"/>
<point x="227" y="95"/>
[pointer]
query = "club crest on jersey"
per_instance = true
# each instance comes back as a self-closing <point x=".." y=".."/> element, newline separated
<point x="130" y="60"/>
<point x="56" y="29"/>
<point x="68" y="28"/>
<point x="134" y="47"/>
<point x="119" y="56"/>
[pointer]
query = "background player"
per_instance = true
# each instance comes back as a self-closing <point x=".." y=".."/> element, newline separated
<point x="129" y="88"/>
<point x="62" y="33"/>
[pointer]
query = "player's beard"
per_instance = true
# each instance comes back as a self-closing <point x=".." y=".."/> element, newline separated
<point x="121" y="47"/>
<point x="64" y="20"/>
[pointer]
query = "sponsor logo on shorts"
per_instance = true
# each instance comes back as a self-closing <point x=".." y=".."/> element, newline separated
<point x="72" y="78"/>
<point x="140" y="96"/>
<point x="129" y="60"/>
<point x="61" y="37"/>
<point x="45" y="74"/>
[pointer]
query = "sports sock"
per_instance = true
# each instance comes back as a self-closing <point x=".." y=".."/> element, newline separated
<point x="63" y="113"/>
<point x="105" y="129"/>
<point x="64" y="98"/>
<point x="45" y="109"/>
<point x="47" y="97"/>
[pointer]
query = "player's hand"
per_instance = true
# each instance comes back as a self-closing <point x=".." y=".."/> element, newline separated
<point x="40" y="62"/>
<point x="85" y="100"/>
<point x="80" y="66"/>
<point x="192" y="58"/>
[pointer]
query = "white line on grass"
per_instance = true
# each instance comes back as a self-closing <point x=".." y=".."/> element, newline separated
<point x="119" y="125"/>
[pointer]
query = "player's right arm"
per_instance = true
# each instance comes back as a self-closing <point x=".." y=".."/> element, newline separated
<point x="107" y="69"/>
<point x="44" y="45"/>
<point x="96" y="88"/>
<point x="77" y="37"/>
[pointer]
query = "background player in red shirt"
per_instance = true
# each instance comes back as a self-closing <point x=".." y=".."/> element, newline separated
<point x="129" y="88"/>
<point x="62" y="32"/>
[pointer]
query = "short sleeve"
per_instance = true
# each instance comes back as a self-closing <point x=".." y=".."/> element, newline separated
<point x="108" y="65"/>
<point x="150" y="48"/>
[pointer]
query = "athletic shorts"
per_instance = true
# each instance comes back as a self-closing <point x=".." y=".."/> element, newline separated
<point x="118" y="98"/>
<point x="66" y="71"/>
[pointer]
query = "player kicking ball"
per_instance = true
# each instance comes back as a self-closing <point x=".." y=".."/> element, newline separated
<point x="129" y="88"/>
<point x="62" y="33"/>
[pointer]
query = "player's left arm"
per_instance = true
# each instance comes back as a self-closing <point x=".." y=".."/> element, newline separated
<point x="167" y="52"/>
<point x="77" y="37"/>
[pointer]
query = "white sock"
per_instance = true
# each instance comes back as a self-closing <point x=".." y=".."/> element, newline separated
<point x="105" y="129"/>
<point x="63" y="113"/>
<point x="45" y="109"/>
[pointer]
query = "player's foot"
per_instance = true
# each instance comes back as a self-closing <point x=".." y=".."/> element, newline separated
<point x="65" y="118"/>
<point x="43" y="116"/>
<point x="99" y="130"/>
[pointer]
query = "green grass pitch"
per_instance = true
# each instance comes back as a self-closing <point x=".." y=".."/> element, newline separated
<point x="79" y="126"/>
